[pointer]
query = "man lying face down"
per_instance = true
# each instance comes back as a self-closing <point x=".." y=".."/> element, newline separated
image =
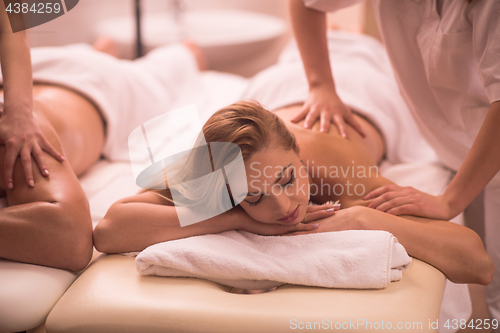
<point x="84" y="103"/>
<point x="50" y="223"/>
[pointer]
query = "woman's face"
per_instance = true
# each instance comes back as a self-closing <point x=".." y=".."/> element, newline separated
<point x="278" y="187"/>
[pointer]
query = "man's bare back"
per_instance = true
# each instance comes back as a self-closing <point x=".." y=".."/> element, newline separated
<point x="50" y="224"/>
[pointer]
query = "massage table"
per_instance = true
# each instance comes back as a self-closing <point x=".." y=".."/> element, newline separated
<point x="110" y="296"/>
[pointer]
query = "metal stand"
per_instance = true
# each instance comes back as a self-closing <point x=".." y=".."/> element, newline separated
<point x="138" y="33"/>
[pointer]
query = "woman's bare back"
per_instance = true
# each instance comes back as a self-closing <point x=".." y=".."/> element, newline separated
<point x="340" y="169"/>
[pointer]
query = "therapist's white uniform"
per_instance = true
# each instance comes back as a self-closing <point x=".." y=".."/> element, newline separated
<point x="446" y="57"/>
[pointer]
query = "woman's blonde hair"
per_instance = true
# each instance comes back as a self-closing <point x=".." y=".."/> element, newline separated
<point x="245" y="124"/>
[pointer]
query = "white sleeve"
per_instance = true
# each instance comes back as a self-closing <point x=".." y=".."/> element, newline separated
<point x="329" y="5"/>
<point x="486" y="43"/>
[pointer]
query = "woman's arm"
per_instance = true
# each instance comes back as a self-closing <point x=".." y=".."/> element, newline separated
<point x="453" y="249"/>
<point x="18" y="130"/>
<point x="309" y="27"/>
<point x="480" y="166"/>
<point x="134" y="223"/>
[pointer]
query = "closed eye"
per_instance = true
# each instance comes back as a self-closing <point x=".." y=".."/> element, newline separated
<point x="252" y="204"/>
<point x="292" y="179"/>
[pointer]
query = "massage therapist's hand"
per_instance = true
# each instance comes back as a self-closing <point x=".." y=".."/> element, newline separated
<point x="323" y="103"/>
<point x="399" y="200"/>
<point x="22" y="136"/>
<point x="313" y="213"/>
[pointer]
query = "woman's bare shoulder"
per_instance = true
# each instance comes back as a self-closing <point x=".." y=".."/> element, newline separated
<point x="372" y="145"/>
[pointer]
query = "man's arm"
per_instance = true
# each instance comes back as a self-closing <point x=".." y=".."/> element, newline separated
<point x="49" y="224"/>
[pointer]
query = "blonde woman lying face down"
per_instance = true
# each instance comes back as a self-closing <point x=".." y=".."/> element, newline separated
<point x="286" y="167"/>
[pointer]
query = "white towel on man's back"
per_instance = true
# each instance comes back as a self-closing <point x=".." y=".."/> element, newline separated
<point x="344" y="259"/>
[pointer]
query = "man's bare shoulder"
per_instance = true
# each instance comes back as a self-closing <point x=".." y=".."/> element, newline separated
<point x="61" y="185"/>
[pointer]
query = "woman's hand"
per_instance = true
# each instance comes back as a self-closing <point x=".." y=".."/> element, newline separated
<point x="323" y="103"/>
<point x="22" y="136"/>
<point x="397" y="200"/>
<point x="313" y="213"/>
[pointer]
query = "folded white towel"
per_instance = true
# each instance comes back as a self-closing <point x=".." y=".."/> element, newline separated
<point x="344" y="259"/>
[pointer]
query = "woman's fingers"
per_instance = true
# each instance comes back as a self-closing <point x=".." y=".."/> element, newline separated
<point x="40" y="160"/>
<point x="338" y="120"/>
<point x="393" y="203"/>
<point x="315" y="208"/>
<point x="325" y="120"/>
<point x="351" y="120"/>
<point x="9" y="162"/>
<point x="45" y="145"/>
<point x="304" y="227"/>
<point x="278" y="230"/>
<point x="301" y="115"/>
<point x="386" y="197"/>
<point x="318" y="215"/>
<point x="398" y="200"/>
<point x="312" y="116"/>
<point x="407" y="209"/>
<point x="25" y="140"/>
<point x="381" y="190"/>
<point x="25" y="154"/>
<point x="26" y="161"/>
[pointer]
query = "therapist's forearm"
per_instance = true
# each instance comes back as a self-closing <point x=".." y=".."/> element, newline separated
<point x="309" y="27"/>
<point x="16" y="71"/>
<point x="480" y="165"/>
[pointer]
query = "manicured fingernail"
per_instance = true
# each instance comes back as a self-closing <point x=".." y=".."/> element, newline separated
<point x="344" y="135"/>
<point x="329" y="210"/>
<point x="336" y="206"/>
<point x="10" y="185"/>
<point x="46" y="172"/>
<point x="315" y="225"/>
<point x="32" y="183"/>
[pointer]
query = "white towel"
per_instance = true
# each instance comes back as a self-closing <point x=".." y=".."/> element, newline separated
<point x="344" y="259"/>
<point x="127" y="93"/>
